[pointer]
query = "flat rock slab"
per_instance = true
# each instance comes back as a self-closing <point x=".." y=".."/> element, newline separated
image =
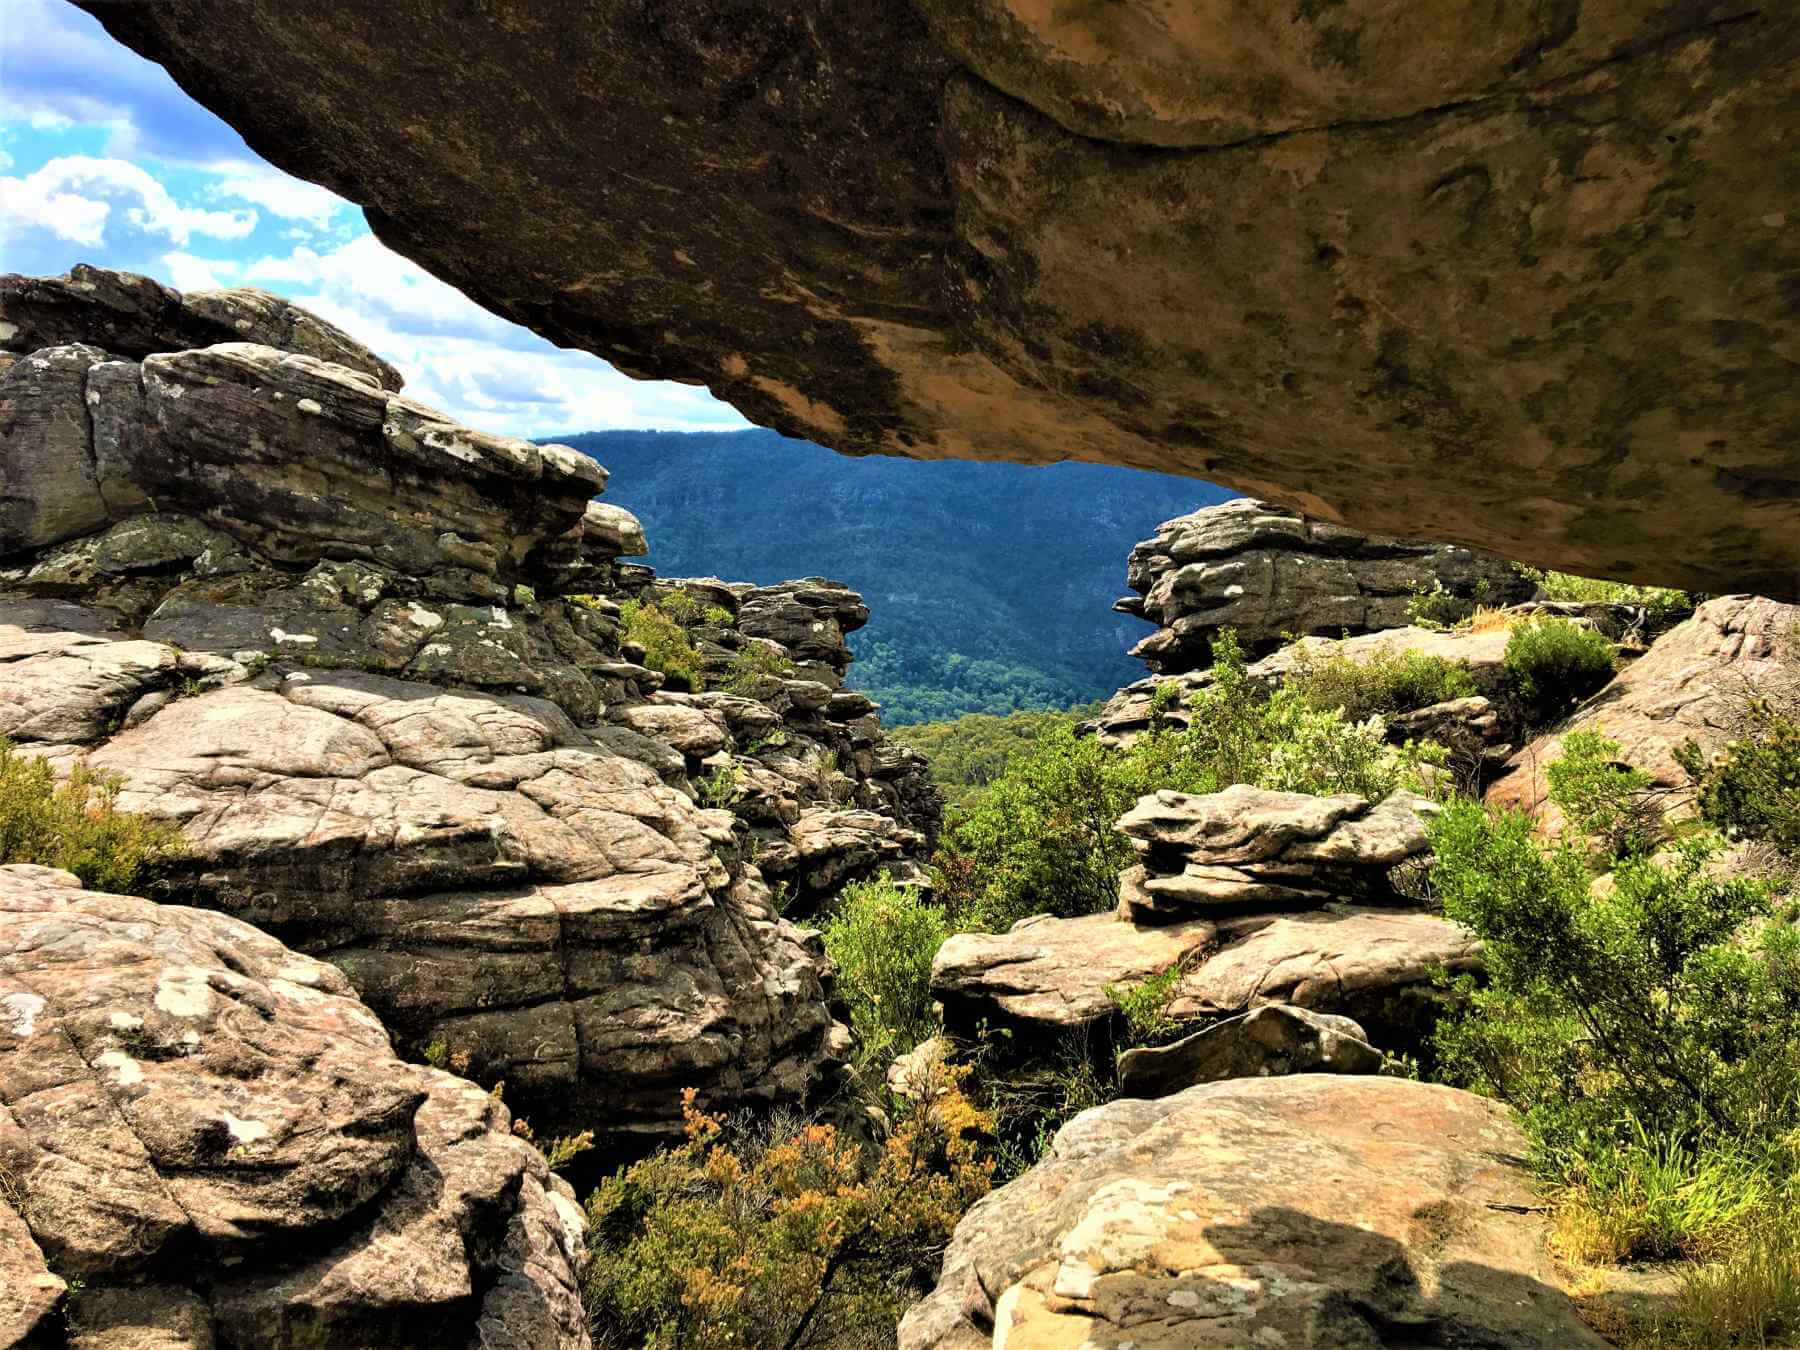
<point x="1314" y="1212"/>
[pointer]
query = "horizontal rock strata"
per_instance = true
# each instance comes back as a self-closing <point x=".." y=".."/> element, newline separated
<point x="1271" y="574"/>
<point x="1267" y="1042"/>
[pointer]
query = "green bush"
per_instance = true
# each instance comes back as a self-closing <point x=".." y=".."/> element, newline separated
<point x="787" y="1236"/>
<point x="882" y="939"/>
<point x="75" y="825"/>
<point x="665" y="642"/>
<point x="1145" y="1006"/>
<point x="1752" y="791"/>
<point x="1388" y="682"/>
<point x="753" y="663"/>
<point x="1042" y="840"/>
<point x="1604" y="799"/>
<point x="968" y="754"/>
<point x="680" y="604"/>
<point x="1552" y="663"/>
<point x="1662" y="608"/>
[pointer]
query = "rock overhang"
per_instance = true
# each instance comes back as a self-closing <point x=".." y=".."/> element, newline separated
<point x="1518" y="283"/>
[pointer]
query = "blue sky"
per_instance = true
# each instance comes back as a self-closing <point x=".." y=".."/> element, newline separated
<point x="104" y="160"/>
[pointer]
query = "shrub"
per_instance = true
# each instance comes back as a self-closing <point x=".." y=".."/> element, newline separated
<point x="1662" y="608"/>
<point x="753" y="663"/>
<point x="882" y="939"/>
<point x="1603" y="799"/>
<point x="1669" y="998"/>
<point x="797" y="1239"/>
<point x="1042" y="840"/>
<point x="75" y="825"/>
<point x="1552" y="663"/>
<point x="680" y="604"/>
<point x="1752" y="791"/>
<point x="1441" y="609"/>
<point x="723" y="786"/>
<point x="1145" y="1005"/>
<point x="1388" y="682"/>
<point x="665" y="643"/>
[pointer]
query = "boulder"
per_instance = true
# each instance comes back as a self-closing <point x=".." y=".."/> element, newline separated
<point x="208" y="1136"/>
<point x="1316" y="1212"/>
<point x="1694" y="683"/>
<point x="1269" y="1041"/>
<point x="1436" y="260"/>
<point x="1247" y="847"/>
<point x="1270" y="574"/>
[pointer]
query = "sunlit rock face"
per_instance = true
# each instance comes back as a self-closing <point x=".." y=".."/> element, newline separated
<point x="1518" y="280"/>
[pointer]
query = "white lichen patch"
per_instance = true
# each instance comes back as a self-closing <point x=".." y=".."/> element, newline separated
<point x="420" y="617"/>
<point x="298" y="993"/>
<point x="183" y="992"/>
<point x="8" y="331"/>
<point x="21" y="1012"/>
<point x="276" y="635"/>
<point x="310" y="405"/>
<point x="125" y="1070"/>
<point x="124" y="1021"/>
<point x="245" y="1131"/>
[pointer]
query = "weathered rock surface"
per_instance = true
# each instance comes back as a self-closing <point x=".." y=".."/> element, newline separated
<point x="1317" y="1212"/>
<point x="1249" y="848"/>
<point x="337" y="639"/>
<point x="1437" y="260"/>
<point x="1270" y="1041"/>
<point x="1247" y="893"/>
<point x="1692" y="684"/>
<point x="1270" y="574"/>
<point x="208" y="1136"/>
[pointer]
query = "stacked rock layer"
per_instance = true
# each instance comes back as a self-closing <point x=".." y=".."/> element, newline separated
<point x="372" y="662"/>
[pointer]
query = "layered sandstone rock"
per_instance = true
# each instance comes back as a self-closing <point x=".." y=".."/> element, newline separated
<point x="1255" y="897"/>
<point x="373" y="664"/>
<point x="206" y="1138"/>
<point x="1268" y="1042"/>
<point x="1385" y="264"/>
<point x="1314" y="1212"/>
<point x="1694" y="683"/>
<point x="1270" y="575"/>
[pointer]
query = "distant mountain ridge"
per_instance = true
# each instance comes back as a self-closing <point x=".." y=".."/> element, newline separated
<point x="990" y="585"/>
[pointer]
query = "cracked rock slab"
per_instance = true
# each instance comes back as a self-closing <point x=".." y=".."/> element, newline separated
<point x="1314" y="1212"/>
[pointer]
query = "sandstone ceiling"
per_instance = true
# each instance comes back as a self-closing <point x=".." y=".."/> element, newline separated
<point x="1526" y="277"/>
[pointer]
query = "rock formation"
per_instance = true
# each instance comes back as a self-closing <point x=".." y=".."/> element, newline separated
<point x="373" y="663"/>
<point x="1309" y="1211"/>
<point x="1270" y="575"/>
<point x="1256" y="897"/>
<point x="1694" y="683"/>
<point x="205" y="1138"/>
<point x="1380" y="266"/>
<point x="1266" y="1042"/>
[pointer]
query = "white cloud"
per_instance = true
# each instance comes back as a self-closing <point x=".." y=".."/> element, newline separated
<point x="456" y="356"/>
<point x="68" y="196"/>
<point x="276" y="192"/>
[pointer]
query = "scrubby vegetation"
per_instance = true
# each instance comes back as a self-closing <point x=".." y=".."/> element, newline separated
<point x="752" y="664"/>
<point x="1388" y="682"/>
<point x="1042" y="839"/>
<point x="665" y="641"/>
<point x="1552" y="663"/>
<point x="1662" y="607"/>
<point x="1752" y="791"/>
<point x="970" y="753"/>
<point x="881" y="938"/>
<point x="782" y="1234"/>
<point x="75" y="825"/>
<point x="1642" y="1013"/>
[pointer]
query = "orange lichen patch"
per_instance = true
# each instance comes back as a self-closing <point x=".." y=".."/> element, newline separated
<point x="821" y="418"/>
<point x="735" y="366"/>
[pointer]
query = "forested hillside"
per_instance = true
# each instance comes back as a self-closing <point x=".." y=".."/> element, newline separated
<point x="991" y="585"/>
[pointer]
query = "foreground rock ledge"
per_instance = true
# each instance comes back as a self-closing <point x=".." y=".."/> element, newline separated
<point x="206" y="1137"/>
<point x="1313" y="1213"/>
<point x="1523" y="283"/>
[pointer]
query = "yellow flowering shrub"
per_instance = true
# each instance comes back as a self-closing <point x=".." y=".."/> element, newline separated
<point x="790" y="1237"/>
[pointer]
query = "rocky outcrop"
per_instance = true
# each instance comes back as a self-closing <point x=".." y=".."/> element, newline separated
<point x="1255" y="897"/>
<point x="205" y="1137"/>
<point x="1270" y="1041"/>
<point x="374" y="664"/>
<point x="1694" y="683"/>
<point x="1435" y="261"/>
<point x="1271" y="574"/>
<point x="1312" y="1212"/>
